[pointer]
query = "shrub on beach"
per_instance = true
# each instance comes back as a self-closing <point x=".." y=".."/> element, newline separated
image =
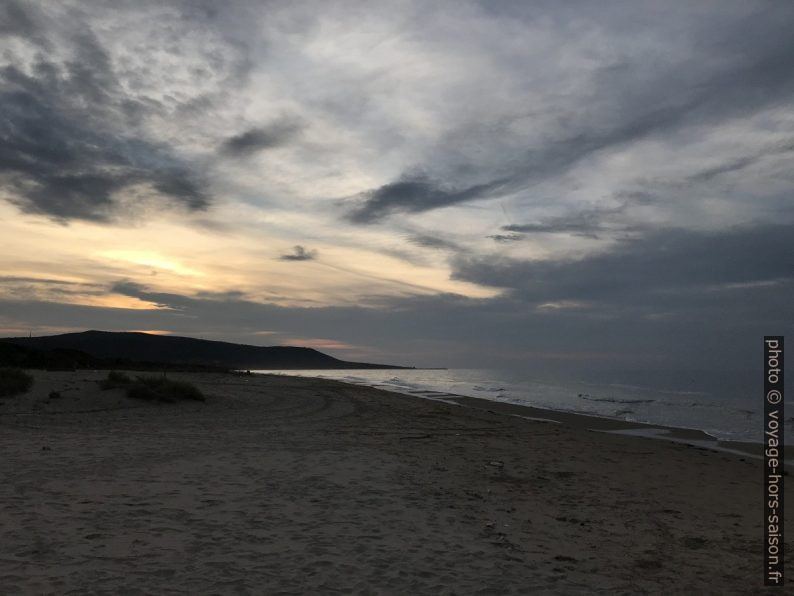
<point x="115" y="380"/>
<point x="14" y="381"/>
<point x="164" y="390"/>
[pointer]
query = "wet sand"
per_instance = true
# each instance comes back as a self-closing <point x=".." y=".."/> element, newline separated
<point x="287" y="485"/>
<point x="691" y="437"/>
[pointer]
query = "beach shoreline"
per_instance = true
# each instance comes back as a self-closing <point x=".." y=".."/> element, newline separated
<point x="694" y="437"/>
<point x="296" y="485"/>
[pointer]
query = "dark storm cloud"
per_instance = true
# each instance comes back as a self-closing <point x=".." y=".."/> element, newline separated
<point x="258" y="139"/>
<point x="62" y="150"/>
<point x="299" y="253"/>
<point x="414" y="195"/>
<point x="662" y="269"/>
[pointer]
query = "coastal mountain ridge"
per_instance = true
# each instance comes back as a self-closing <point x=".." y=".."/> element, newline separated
<point x="176" y="350"/>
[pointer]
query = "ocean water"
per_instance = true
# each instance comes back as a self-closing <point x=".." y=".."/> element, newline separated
<point x="728" y="406"/>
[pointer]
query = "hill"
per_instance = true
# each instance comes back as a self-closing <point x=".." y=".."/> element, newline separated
<point x="149" y="348"/>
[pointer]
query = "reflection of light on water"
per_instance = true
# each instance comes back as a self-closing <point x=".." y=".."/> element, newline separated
<point x="728" y="418"/>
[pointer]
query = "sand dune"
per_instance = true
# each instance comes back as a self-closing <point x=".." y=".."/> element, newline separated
<point x="281" y="485"/>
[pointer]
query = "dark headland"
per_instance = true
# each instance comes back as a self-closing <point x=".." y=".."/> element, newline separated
<point x="100" y="349"/>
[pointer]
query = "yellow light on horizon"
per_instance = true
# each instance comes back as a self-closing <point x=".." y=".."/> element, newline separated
<point x="115" y="301"/>
<point x="150" y="259"/>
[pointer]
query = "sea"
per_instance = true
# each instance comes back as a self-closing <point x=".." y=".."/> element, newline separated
<point x="727" y="405"/>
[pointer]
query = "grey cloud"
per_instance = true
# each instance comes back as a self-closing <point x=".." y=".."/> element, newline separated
<point x="668" y="268"/>
<point x="763" y="170"/>
<point x="61" y="152"/>
<point x="299" y="253"/>
<point x="16" y="20"/>
<point x="229" y="295"/>
<point x="171" y="300"/>
<point x="128" y="288"/>
<point x="741" y="163"/>
<point x="414" y="195"/>
<point x="258" y="139"/>
<point x="167" y="300"/>
<point x="37" y="280"/>
<point x="12" y="284"/>
<point x="724" y="168"/>
<point x="428" y="241"/>
<point x="625" y="105"/>
<point x="586" y="222"/>
<point x="506" y="237"/>
<point x="53" y="288"/>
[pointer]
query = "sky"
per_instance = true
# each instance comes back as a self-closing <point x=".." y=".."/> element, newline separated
<point x="527" y="184"/>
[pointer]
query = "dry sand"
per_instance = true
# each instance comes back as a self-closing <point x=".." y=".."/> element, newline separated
<point x="282" y="485"/>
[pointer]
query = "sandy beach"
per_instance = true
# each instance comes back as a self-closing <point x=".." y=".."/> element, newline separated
<point x="286" y="485"/>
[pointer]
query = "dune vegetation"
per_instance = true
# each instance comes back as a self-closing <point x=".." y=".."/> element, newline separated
<point x="153" y="388"/>
<point x="14" y="381"/>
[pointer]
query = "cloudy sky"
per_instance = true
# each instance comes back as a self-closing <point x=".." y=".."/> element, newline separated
<point x="447" y="183"/>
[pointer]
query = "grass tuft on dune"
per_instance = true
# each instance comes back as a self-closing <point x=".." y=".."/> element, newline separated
<point x="163" y="390"/>
<point x="115" y="380"/>
<point x="14" y="381"/>
<point x="152" y="388"/>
